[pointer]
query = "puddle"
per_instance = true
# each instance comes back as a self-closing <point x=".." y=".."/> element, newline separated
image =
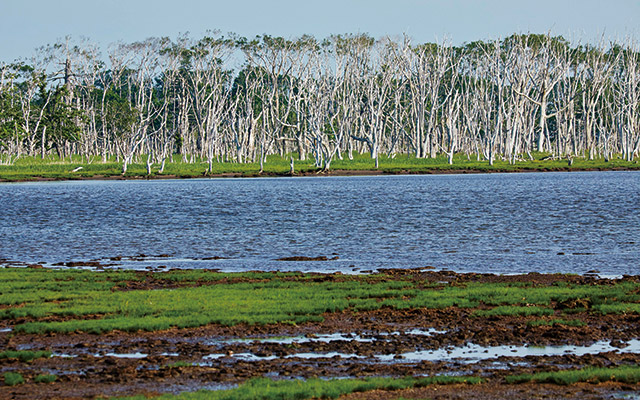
<point x="125" y="355"/>
<point x="253" y="357"/>
<point x="332" y="354"/>
<point x="63" y="355"/>
<point x="422" y="332"/>
<point x="416" y="332"/>
<point x="627" y="396"/>
<point x="334" y="337"/>
<point x="177" y="389"/>
<point x="240" y="356"/>
<point x="6" y="330"/>
<point x="214" y="356"/>
<point x="170" y="354"/>
<point x="473" y="353"/>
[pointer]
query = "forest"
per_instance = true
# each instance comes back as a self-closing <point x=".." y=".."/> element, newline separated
<point x="225" y="98"/>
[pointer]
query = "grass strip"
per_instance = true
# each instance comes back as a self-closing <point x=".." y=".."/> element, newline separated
<point x="24" y="355"/>
<point x="52" y="167"/>
<point x="514" y="311"/>
<point x="624" y="374"/>
<point x="552" y="322"/>
<point x="267" y="389"/>
<point x="89" y="301"/>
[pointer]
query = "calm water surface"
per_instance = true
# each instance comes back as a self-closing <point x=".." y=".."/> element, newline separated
<point x="501" y="223"/>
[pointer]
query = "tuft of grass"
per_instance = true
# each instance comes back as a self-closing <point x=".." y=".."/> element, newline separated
<point x="24" y="355"/>
<point x="624" y="374"/>
<point x="552" y="322"/>
<point x="267" y="389"/>
<point x="513" y="311"/>
<point x="45" y="378"/>
<point x="179" y="364"/>
<point x="13" y="378"/>
<point x="621" y="308"/>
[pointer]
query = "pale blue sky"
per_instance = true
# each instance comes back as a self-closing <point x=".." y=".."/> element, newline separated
<point x="25" y="25"/>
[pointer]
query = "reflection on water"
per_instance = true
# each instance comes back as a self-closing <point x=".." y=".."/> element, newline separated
<point x="502" y="223"/>
<point x="126" y="355"/>
<point x="470" y="353"/>
<point x="331" y="337"/>
<point x="474" y="353"/>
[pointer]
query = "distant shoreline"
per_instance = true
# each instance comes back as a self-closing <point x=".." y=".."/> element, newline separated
<point x="336" y="172"/>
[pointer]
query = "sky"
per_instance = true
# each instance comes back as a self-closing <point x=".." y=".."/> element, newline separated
<point x="26" y="25"/>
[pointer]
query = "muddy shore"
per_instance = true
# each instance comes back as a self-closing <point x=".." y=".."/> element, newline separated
<point x="384" y="342"/>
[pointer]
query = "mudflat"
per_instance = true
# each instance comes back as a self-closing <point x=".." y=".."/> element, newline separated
<point x="394" y="323"/>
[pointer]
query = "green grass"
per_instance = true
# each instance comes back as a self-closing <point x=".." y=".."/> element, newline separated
<point x="513" y="311"/>
<point x="45" y="378"/>
<point x="93" y="302"/>
<point x="13" y="378"/>
<point x="625" y="374"/>
<point x="179" y="364"/>
<point x="54" y="168"/>
<point x="267" y="389"/>
<point x="24" y="355"/>
<point x="552" y="322"/>
<point x="622" y="308"/>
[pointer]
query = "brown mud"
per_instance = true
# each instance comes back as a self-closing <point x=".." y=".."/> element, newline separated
<point x="345" y="344"/>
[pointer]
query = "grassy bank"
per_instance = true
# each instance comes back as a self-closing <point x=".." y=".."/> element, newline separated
<point x="42" y="300"/>
<point x="625" y="374"/>
<point x="30" y="168"/>
<point x="267" y="389"/>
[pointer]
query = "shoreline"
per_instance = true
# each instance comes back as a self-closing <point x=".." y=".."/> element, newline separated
<point x="319" y="173"/>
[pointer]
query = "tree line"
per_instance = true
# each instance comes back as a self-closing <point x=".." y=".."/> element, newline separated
<point x="232" y="99"/>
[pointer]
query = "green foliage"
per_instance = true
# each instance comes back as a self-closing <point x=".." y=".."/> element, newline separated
<point x="13" y="378"/>
<point x="45" y="378"/>
<point x="24" y="355"/>
<point x="267" y="389"/>
<point x="120" y="116"/>
<point x="552" y="322"/>
<point x="625" y="374"/>
<point x="61" y="118"/>
<point x="513" y="311"/>
<point x="179" y="364"/>
<point x="258" y="303"/>
<point x="622" y="308"/>
<point x="194" y="298"/>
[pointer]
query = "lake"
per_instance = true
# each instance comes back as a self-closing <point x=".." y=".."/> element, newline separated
<point x="499" y="223"/>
